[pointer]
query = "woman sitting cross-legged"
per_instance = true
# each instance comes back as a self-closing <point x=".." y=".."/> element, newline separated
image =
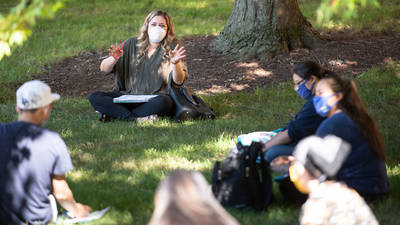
<point x="143" y="66"/>
<point x="364" y="169"/>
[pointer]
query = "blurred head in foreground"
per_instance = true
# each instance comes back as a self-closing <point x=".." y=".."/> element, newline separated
<point x="316" y="160"/>
<point x="184" y="198"/>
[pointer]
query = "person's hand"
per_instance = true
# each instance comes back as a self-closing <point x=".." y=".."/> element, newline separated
<point x="81" y="210"/>
<point x="116" y="51"/>
<point x="177" y="54"/>
<point x="281" y="164"/>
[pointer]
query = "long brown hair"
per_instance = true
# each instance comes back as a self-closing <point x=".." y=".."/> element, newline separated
<point x="143" y="39"/>
<point x="352" y="105"/>
<point x="184" y="198"/>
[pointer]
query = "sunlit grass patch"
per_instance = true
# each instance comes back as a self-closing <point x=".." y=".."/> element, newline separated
<point x="369" y="19"/>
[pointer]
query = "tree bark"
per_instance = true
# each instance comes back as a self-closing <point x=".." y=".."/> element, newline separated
<point x="265" y="28"/>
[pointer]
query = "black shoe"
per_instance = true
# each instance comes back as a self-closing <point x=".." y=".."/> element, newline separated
<point x="102" y="117"/>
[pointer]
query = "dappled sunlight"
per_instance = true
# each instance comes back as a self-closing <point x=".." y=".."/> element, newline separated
<point x="66" y="133"/>
<point x="250" y="73"/>
<point x="79" y="149"/>
<point x="168" y="162"/>
<point x="221" y="145"/>
<point x="76" y="175"/>
<point x="215" y="89"/>
<point x="262" y="73"/>
<point x="195" y="5"/>
<point x="254" y="70"/>
<point x="393" y="171"/>
<point x="340" y="64"/>
<point x="239" y="87"/>
<point x="248" y="65"/>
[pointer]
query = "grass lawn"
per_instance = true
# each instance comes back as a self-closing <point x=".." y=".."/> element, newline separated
<point x="119" y="164"/>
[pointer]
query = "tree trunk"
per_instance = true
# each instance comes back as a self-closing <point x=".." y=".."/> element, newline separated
<point x="264" y="28"/>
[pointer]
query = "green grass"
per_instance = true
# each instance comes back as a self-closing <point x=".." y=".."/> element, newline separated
<point x="369" y="19"/>
<point x="119" y="164"/>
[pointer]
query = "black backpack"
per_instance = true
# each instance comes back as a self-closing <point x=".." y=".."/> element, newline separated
<point x="188" y="106"/>
<point x="242" y="180"/>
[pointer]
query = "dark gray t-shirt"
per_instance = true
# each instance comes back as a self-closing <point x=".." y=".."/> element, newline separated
<point x="149" y="76"/>
<point x="29" y="156"/>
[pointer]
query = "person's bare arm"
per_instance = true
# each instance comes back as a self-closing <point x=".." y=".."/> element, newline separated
<point x="177" y="72"/>
<point x="108" y="64"/>
<point x="64" y="196"/>
<point x="115" y="53"/>
<point x="281" y="138"/>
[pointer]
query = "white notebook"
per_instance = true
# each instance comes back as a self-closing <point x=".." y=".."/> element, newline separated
<point x="133" y="98"/>
<point x="92" y="216"/>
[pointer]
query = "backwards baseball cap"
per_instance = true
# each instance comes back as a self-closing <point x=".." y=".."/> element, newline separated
<point x="35" y="94"/>
<point x="322" y="157"/>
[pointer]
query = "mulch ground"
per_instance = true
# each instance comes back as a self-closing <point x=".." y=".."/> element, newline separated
<point x="211" y="73"/>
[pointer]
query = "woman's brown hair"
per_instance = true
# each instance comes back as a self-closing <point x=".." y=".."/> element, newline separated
<point x="185" y="198"/>
<point x="352" y="105"/>
<point x="143" y="39"/>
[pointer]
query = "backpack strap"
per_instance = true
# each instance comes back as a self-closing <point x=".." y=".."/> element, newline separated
<point x="266" y="183"/>
<point x="216" y="179"/>
<point x="260" y="179"/>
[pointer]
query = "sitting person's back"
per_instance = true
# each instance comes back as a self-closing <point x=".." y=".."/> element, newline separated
<point x="28" y="154"/>
<point x="363" y="169"/>
<point x="33" y="162"/>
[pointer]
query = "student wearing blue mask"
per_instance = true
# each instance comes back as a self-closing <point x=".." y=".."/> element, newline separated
<point x="305" y="77"/>
<point x="364" y="169"/>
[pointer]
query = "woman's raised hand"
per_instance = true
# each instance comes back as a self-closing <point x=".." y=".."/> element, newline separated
<point x="177" y="54"/>
<point x="116" y="51"/>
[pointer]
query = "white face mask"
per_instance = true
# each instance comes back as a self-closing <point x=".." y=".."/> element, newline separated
<point x="156" y="34"/>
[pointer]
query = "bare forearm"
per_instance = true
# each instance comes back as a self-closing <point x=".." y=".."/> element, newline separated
<point x="281" y="138"/>
<point x="178" y="73"/>
<point x="108" y="64"/>
<point x="67" y="202"/>
<point x="65" y="198"/>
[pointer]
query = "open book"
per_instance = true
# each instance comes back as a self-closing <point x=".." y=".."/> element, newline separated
<point x="133" y="98"/>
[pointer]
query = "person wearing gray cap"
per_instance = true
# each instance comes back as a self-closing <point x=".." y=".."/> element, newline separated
<point x="33" y="162"/>
<point x="314" y="166"/>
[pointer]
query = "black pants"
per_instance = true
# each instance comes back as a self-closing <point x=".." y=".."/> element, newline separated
<point x="161" y="105"/>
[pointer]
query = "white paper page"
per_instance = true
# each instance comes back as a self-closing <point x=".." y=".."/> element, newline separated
<point x="92" y="216"/>
<point x="133" y="98"/>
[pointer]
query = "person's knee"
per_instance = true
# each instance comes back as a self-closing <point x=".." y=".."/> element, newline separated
<point x="276" y="151"/>
<point x="165" y="101"/>
<point x="164" y="104"/>
<point x="271" y="154"/>
<point x="93" y="98"/>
